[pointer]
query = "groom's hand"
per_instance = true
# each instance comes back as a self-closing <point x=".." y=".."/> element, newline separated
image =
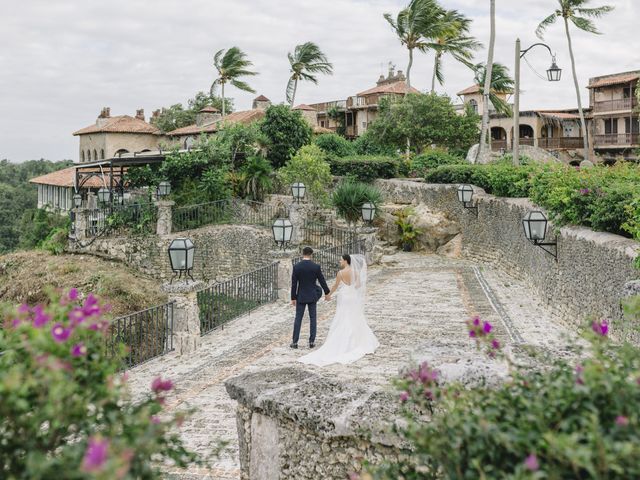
<point x="293" y="302"/>
<point x="327" y="298"/>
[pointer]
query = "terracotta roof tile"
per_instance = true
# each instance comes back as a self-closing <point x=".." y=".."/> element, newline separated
<point x="120" y="124"/>
<point x="559" y="115"/>
<point x="262" y="98"/>
<point x="474" y="89"/>
<point x="303" y="106"/>
<point x="245" y="117"/>
<point x="318" y="129"/>
<point x="209" y="108"/>
<point x="66" y="177"/>
<point x="395" y="87"/>
<point x="614" y="79"/>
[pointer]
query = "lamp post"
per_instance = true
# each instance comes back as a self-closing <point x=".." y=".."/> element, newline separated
<point x="535" y="230"/>
<point x="77" y="200"/>
<point x="553" y="75"/>
<point x="181" y="253"/>
<point x="104" y="195"/>
<point x="282" y="231"/>
<point x="163" y="190"/>
<point x="368" y="212"/>
<point x="298" y="190"/>
<point x="465" y="196"/>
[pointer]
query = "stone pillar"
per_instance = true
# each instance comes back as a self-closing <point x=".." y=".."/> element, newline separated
<point x="165" y="219"/>
<point x="370" y="235"/>
<point x="186" y="314"/>
<point x="285" y="267"/>
<point x="297" y="216"/>
<point x="80" y="223"/>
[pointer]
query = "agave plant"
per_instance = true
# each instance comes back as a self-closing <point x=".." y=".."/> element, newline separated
<point x="349" y="196"/>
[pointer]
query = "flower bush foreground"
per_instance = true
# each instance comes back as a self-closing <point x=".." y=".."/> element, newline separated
<point x="64" y="408"/>
<point x="570" y="419"/>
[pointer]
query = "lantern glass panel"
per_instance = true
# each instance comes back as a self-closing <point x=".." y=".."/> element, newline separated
<point x="368" y="211"/>
<point x="535" y="225"/>
<point x="104" y="195"/>
<point x="465" y="193"/>
<point x="298" y="190"/>
<point x="77" y="200"/>
<point x="554" y="73"/>
<point x="164" y="188"/>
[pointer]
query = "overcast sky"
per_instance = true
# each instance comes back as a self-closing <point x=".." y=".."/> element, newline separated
<point x="61" y="61"/>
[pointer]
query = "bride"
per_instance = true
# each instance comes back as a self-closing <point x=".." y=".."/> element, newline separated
<point x="349" y="337"/>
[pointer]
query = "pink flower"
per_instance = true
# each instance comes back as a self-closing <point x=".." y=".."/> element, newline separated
<point x="40" y="318"/>
<point x="579" y="369"/>
<point x="159" y="385"/>
<point x="622" y="421"/>
<point x="531" y="463"/>
<point x="495" y="344"/>
<point x="73" y="294"/>
<point x="90" y="305"/>
<point x="96" y="454"/>
<point x="601" y="328"/>
<point x="487" y="327"/>
<point x="404" y="396"/>
<point x="76" y="316"/>
<point x="59" y="333"/>
<point x="472" y="333"/>
<point x="476" y="321"/>
<point x="79" y="350"/>
<point x="155" y="419"/>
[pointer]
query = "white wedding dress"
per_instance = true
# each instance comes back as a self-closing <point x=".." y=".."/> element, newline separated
<point x="349" y="337"/>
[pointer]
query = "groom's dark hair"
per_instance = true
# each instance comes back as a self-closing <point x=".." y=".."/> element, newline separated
<point x="307" y="251"/>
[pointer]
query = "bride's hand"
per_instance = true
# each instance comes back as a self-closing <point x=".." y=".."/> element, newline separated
<point x="327" y="298"/>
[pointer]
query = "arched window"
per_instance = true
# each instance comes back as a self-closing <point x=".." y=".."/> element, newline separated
<point x="474" y="105"/>
<point x="82" y="155"/>
<point x="88" y="155"/>
<point x="120" y="152"/>
<point x="95" y="154"/>
<point x="102" y="154"/>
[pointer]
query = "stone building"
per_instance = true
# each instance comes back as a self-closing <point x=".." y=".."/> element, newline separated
<point x="310" y="115"/>
<point x="113" y="136"/>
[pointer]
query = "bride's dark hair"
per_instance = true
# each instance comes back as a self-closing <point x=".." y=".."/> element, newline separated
<point x="347" y="258"/>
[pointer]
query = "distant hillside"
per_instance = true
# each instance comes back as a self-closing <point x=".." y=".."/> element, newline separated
<point x="18" y="199"/>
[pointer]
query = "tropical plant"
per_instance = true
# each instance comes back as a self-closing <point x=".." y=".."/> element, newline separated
<point x="231" y="65"/>
<point x="214" y="184"/>
<point x="306" y="60"/>
<point x="337" y="115"/>
<point x="432" y="158"/>
<point x="453" y="39"/>
<point x="486" y="84"/>
<point x="407" y="232"/>
<point x="501" y="83"/>
<point x="365" y="168"/>
<point x="578" y="12"/>
<point x="65" y="409"/>
<point x="414" y="25"/>
<point x="285" y="131"/>
<point x="334" y="144"/>
<point x="310" y="166"/>
<point x="257" y="178"/>
<point x="349" y="196"/>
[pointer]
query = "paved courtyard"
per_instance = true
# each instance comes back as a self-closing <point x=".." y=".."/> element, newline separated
<point x="416" y="305"/>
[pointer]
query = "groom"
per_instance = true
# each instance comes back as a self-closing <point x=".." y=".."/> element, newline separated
<point x="305" y="293"/>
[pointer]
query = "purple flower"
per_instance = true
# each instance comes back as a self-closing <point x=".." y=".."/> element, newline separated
<point x="495" y="344"/>
<point x="476" y="321"/>
<point x="40" y="318"/>
<point x="59" y="333"/>
<point x="579" y="369"/>
<point x="76" y="316"/>
<point x="159" y="385"/>
<point x="601" y="328"/>
<point x="73" y="294"/>
<point x="472" y="333"/>
<point x="404" y="396"/>
<point x="96" y="454"/>
<point x="155" y="419"/>
<point x="90" y="306"/>
<point x="584" y="191"/>
<point x="487" y="327"/>
<point x="79" y="350"/>
<point x="531" y="463"/>
<point x="622" y="421"/>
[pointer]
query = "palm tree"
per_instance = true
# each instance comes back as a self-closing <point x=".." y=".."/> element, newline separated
<point x="580" y="16"/>
<point x="231" y="65"/>
<point x="486" y="89"/>
<point x="501" y="82"/>
<point x="414" y="25"/>
<point x="306" y="60"/>
<point x="455" y="40"/>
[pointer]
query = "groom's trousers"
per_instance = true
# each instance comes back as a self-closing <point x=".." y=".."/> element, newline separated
<point x="300" y="307"/>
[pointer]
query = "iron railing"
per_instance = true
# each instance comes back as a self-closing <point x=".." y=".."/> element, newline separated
<point x="137" y="218"/>
<point x="322" y="235"/>
<point x="225" y="212"/>
<point x="329" y="258"/>
<point x="232" y="298"/>
<point x="146" y="334"/>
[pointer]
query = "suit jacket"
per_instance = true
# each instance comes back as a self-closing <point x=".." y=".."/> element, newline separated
<point x="303" y="281"/>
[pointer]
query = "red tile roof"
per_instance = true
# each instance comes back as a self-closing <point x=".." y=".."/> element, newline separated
<point x="120" y="124"/>
<point x="262" y="98"/>
<point x="474" y="89"/>
<point x="66" y="177"/>
<point x="304" y="106"/>
<point x="614" y="80"/>
<point x="319" y="130"/>
<point x="559" y="115"/>
<point x="209" y="108"/>
<point x="395" y="87"/>
<point x="245" y="117"/>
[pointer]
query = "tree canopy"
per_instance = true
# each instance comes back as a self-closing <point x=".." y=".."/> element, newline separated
<point x="285" y="131"/>
<point x="178" y="116"/>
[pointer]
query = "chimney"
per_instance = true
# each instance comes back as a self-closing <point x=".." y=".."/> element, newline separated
<point x="140" y="114"/>
<point x="105" y="114"/>
<point x="261" y="103"/>
<point x="399" y="75"/>
<point x="207" y="116"/>
<point x="380" y="80"/>
<point x="154" y="116"/>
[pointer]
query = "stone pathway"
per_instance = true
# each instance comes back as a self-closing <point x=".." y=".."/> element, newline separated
<point x="417" y="306"/>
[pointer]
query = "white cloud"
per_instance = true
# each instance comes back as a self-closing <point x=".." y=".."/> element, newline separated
<point x="62" y="61"/>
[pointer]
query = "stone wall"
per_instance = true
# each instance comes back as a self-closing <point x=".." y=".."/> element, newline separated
<point x="589" y="276"/>
<point x="296" y="425"/>
<point x="222" y="251"/>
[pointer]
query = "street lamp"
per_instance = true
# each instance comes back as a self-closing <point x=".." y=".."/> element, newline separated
<point x="298" y="190"/>
<point x="553" y="75"/>
<point x="282" y="231"/>
<point x="181" y="253"/>
<point x="535" y="230"/>
<point x="77" y="200"/>
<point x="104" y="195"/>
<point x="465" y="196"/>
<point x="368" y="212"/>
<point x="163" y="190"/>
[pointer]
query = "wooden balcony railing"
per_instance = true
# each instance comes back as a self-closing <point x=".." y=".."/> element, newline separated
<point x="325" y="106"/>
<point x="560" y="142"/>
<point x="615" y="105"/>
<point x="497" y="145"/>
<point x="617" y="139"/>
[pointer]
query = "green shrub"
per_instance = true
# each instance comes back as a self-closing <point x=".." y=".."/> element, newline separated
<point x="37" y="226"/>
<point x="309" y="166"/>
<point x="66" y="410"/>
<point x="285" y="131"/>
<point x="257" y="178"/>
<point x="56" y="241"/>
<point x="214" y="184"/>
<point x="369" y="144"/>
<point x="335" y="145"/>
<point x="430" y="159"/>
<point x="349" y="197"/>
<point x="568" y="418"/>
<point x="365" y="168"/>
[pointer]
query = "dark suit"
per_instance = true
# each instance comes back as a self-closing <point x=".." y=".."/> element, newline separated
<point x="303" y="291"/>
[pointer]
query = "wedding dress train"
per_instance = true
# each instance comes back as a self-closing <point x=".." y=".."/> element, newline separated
<point x="349" y="337"/>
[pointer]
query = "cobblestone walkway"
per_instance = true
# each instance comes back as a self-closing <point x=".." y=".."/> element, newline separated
<point x="417" y="306"/>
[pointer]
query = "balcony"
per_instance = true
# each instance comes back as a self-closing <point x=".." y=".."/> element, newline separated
<point x="621" y="140"/>
<point x="558" y="143"/>
<point x="618" y="105"/>
<point x="325" y="106"/>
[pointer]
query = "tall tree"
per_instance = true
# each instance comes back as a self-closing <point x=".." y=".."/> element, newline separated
<point x="231" y="66"/>
<point x="577" y="12"/>
<point x="486" y="89"/>
<point x="453" y="39"/>
<point x="415" y="25"/>
<point x="306" y="60"/>
<point x="501" y="82"/>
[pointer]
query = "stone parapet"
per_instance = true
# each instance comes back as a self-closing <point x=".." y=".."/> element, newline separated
<point x="186" y="314"/>
<point x="165" y="217"/>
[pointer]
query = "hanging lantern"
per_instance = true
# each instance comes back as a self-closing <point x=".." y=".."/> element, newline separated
<point x="104" y="195"/>
<point x="554" y="72"/>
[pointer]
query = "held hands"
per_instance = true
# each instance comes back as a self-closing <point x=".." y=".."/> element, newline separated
<point x="293" y="302"/>
<point x="327" y="297"/>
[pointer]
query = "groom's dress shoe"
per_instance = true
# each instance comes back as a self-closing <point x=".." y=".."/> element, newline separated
<point x="312" y="345"/>
<point x="293" y="345"/>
